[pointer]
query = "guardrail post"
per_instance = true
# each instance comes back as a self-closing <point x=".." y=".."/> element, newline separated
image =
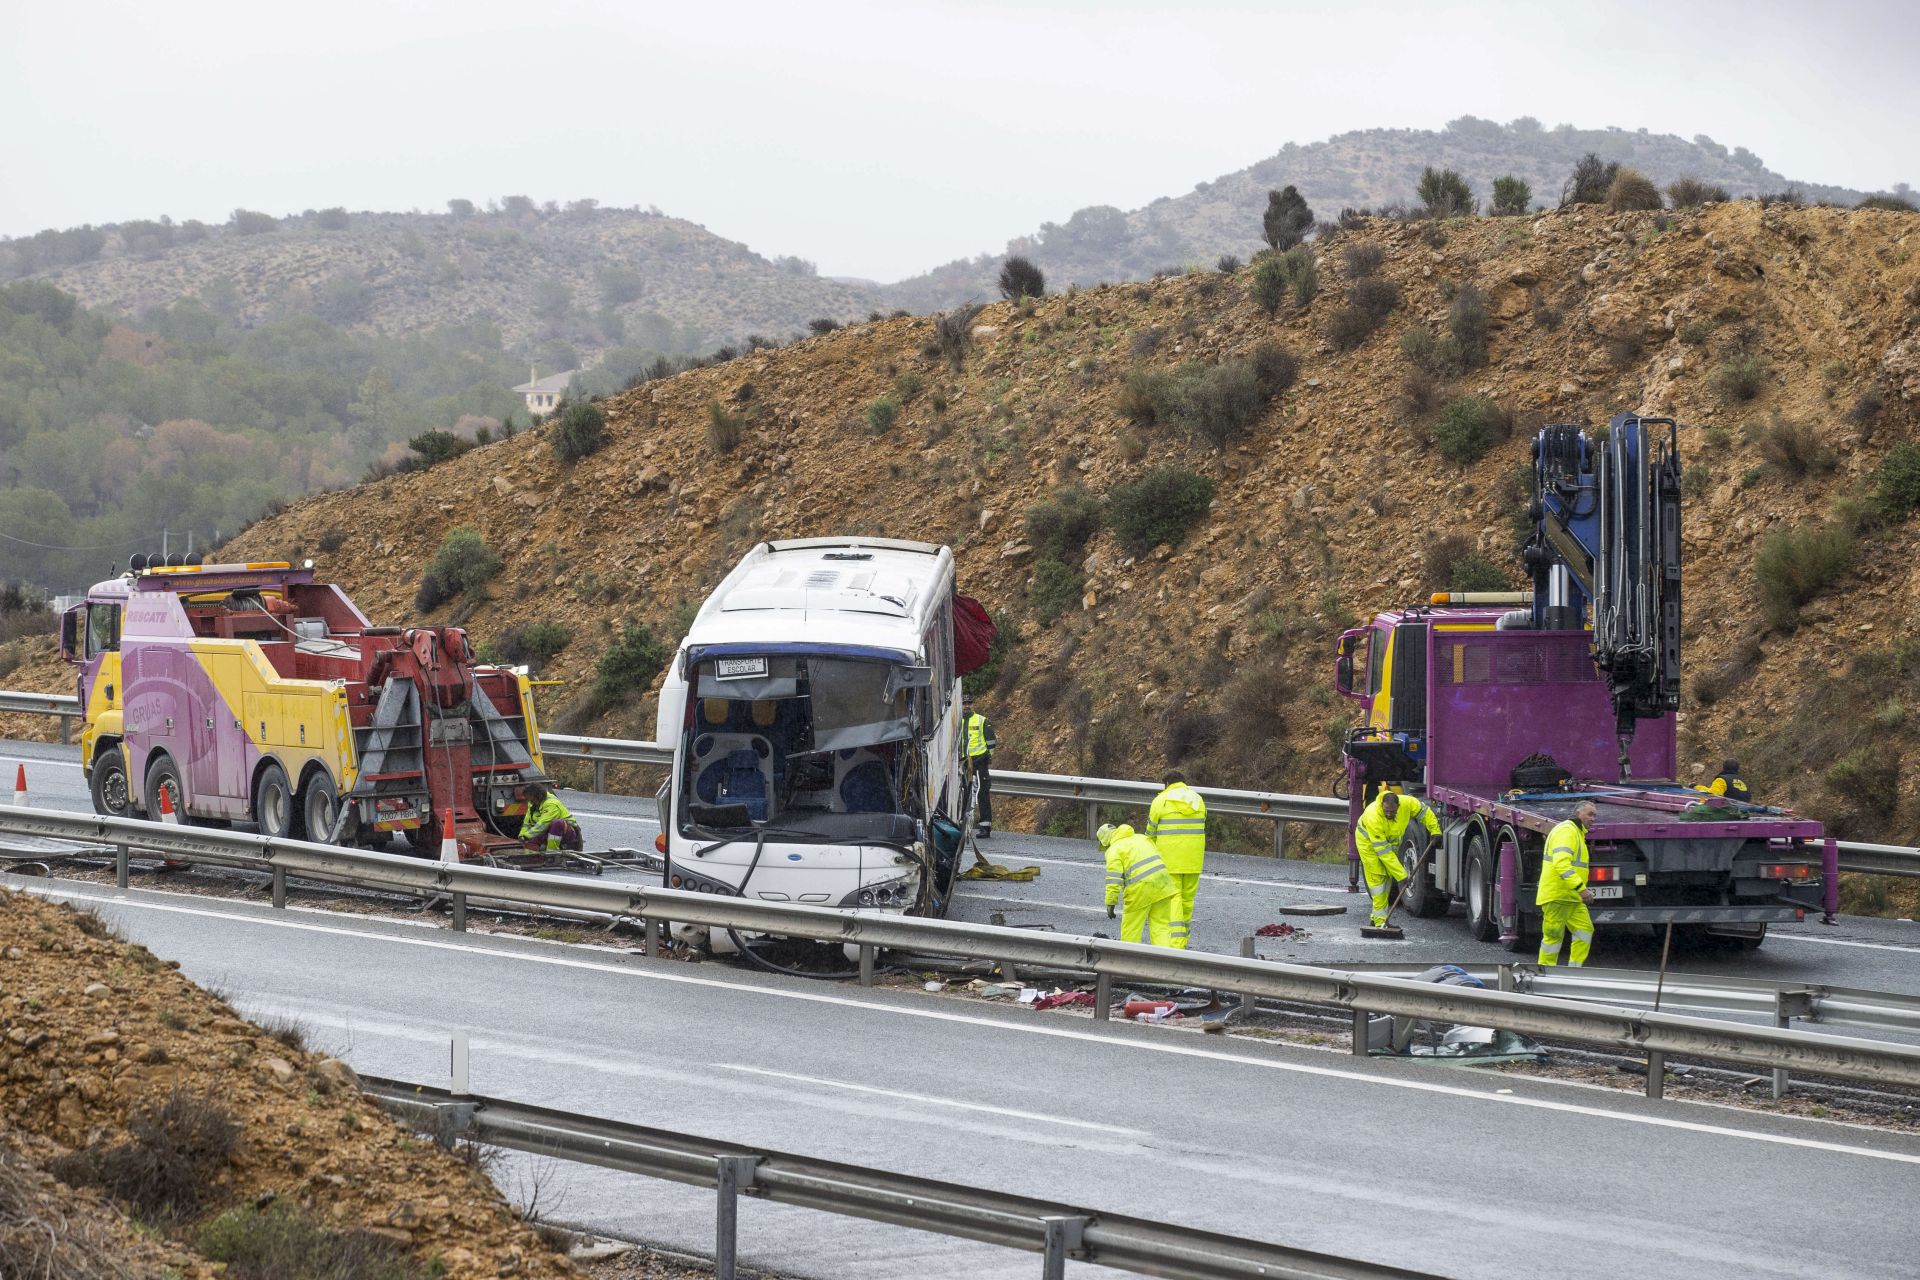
<point x="1248" y="952"/>
<point x="1093" y="819"/>
<point x="651" y="928"/>
<point x="1279" y="838"/>
<point x="599" y="776"/>
<point x="1359" y="1033"/>
<point x="1102" y="997"/>
<point x="866" y="964"/>
<point x="1788" y="1005"/>
<point x="730" y="1174"/>
<point x="1060" y="1237"/>
<point x="1656" y="1074"/>
<point x="66" y="731"/>
<point x="122" y="857"/>
<point x="459" y="1065"/>
<point x="1506" y="977"/>
<point x="460" y="912"/>
<point x="279" y="874"/>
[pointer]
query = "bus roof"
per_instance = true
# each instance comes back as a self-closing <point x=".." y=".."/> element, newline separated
<point x="872" y="592"/>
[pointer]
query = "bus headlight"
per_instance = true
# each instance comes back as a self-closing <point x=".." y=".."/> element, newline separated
<point x="885" y="895"/>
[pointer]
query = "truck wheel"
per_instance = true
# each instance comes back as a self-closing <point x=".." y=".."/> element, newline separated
<point x="1753" y="942"/>
<point x="1483" y="917"/>
<point x="112" y="795"/>
<point x="1423" y="898"/>
<point x="164" y="774"/>
<point x="319" y="806"/>
<point x="273" y="809"/>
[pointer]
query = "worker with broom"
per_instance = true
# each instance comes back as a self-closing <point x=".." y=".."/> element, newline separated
<point x="1562" y="896"/>
<point x="1377" y="837"/>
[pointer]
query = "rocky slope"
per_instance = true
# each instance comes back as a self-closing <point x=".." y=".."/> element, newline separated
<point x="673" y="284"/>
<point x="1216" y="652"/>
<point x="1370" y="168"/>
<point x="98" y="1033"/>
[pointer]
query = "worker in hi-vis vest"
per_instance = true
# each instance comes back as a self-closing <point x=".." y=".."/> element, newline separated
<point x="980" y="761"/>
<point x="1138" y="883"/>
<point x="1729" y="783"/>
<point x="1562" y="896"/>
<point x="1177" y="825"/>
<point x="1377" y="838"/>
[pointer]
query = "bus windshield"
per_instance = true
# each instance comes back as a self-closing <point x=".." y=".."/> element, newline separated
<point x="816" y="746"/>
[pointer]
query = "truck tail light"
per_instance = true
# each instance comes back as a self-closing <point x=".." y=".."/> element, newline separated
<point x="1602" y="875"/>
<point x="1785" y="870"/>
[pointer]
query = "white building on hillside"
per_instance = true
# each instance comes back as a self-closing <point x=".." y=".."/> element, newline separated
<point x="543" y="393"/>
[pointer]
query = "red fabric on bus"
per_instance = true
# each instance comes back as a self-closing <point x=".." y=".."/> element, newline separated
<point x="973" y="632"/>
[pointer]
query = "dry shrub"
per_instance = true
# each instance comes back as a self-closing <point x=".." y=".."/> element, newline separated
<point x="1795" y="565"/>
<point x="1364" y="260"/>
<point x="40" y="1235"/>
<point x="174" y="1154"/>
<point x="278" y="1243"/>
<point x="1631" y="189"/>
<point x="1251" y="750"/>
<point x="1794" y="447"/>
<point x="1191" y="733"/>
<point x="1420" y="393"/>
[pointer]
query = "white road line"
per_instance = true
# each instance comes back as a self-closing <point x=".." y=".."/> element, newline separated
<point x="1035" y="1028"/>
<point x="1007" y="1112"/>
<point x="1841" y="942"/>
<point x="40" y="760"/>
<point x="616" y="817"/>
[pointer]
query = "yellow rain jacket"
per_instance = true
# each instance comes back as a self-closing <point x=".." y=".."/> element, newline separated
<point x="1563" y="869"/>
<point x="1177" y="825"/>
<point x="1135" y="870"/>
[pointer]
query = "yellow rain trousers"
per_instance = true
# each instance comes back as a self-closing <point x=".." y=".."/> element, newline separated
<point x="1563" y="874"/>
<point x="1177" y="825"/>
<point x="1137" y="879"/>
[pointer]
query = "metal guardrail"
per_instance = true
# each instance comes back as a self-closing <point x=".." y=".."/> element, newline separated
<point x="1276" y="806"/>
<point x="1056" y="1231"/>
<point x="1359" y="993"/>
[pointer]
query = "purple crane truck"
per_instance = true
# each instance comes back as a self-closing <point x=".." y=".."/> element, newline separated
<point x="1505" y="710"/>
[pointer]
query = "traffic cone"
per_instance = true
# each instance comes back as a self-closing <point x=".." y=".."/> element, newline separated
<point x="20" y="787"/>
<point x="449" y="847"/>
<point x="166" y="807"/>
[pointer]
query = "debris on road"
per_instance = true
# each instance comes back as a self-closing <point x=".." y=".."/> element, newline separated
<point x="984" y="870"/>
<point x="1281" y="930"/>
<point x="1064" y="999"/>
<point x="1149" y="1010"/>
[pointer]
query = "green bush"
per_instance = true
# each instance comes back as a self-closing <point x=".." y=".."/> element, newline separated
<point x="1302" y="275"/>
<point x="1469" y="321"/>
<point x="1162" y="507"/>
<point x="581" y="431"/>
<point x="438" y="446"/>
<point x="629" y="665"/>
<point x="881" y="415"/>
<point x="1142" y="393"/>
<point x="249" y="222"/>
<point x="1375" y="296"/>
<point x="1896" y="204"/>
<point x="1896" y="486"/>
<point x="1060" y="528"/>
<point x="1444" y="193"/>
<point x="1740" y="376"/>
<point x="1220" y="403"/>
<point x="1589" y="182"/>
<point x="725" y="430"/>
<point x="279" y="1243"/>
<point x="1795" y="565"/>
<point x="533" y="643"/>
<point x="1468" y="426"/>
<point x="1056" y="588"/>
<point x="1867" y="778"/>
<point x="1511" y="196"/>
<point x="1270" y="283"/>
<point x="463" y="563"/>
<point x="1287" y="218"/>
<point x="1476" y="573"/>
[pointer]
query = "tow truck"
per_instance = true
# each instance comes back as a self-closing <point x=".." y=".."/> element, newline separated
<point x="1505" y="710"/>
<point x="254" y="693"/>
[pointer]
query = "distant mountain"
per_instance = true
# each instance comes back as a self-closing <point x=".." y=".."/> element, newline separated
<point x="573" y="282"/>
<point x="1372" y="168"/>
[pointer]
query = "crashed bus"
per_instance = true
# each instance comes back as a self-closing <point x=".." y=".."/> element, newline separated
<point x="814" y="713"/>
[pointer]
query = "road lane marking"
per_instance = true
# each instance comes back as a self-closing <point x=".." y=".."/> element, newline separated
<point x="1843" y="942"/>
<point x="1034" y="1028"/>
<point x="1008" y="1112"/>
<point x="43" y="760"/>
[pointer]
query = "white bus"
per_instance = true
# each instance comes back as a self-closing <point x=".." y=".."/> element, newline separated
<point x="814" y="711"/>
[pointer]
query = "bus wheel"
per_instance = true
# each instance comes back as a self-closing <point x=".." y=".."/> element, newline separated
<point x="112" y="795"/>
<point x="319" y="807"/>
<point x="273" y="808"/>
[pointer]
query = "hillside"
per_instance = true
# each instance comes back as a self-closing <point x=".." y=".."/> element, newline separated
<point x="591" y="278"/>
<point x="1372" y="168"/>
<point x="1337" y="501"/>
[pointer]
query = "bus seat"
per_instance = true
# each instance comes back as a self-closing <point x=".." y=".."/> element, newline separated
<point x="743" y="782"/>
<point x="714" y="711"/>
<point x="765" y="710"/>
<point x="733" y="768"/>
<point x="864" y="789"/>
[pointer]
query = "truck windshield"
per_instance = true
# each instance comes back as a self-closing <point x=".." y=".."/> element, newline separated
<point x="814" y="745"/>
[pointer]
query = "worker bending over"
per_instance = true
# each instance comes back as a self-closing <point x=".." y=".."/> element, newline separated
<point x="1137" y="880"/>
<point x="1377" y="838"/>
<point x="980" y="761"/>
<point x="1177" y="825"/>
<point x="1562" y="896"/>
<point x="548" y="825"/>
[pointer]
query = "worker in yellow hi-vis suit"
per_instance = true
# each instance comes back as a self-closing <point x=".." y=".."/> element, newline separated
<point x="1562" y="896"/>
<point x="1377" y="837"/>
<point x="1177" y="825"/>
<point x="1137" y="880"/>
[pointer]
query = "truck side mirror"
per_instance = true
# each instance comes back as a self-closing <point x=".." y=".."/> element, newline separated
<point x="1343" y="665"/>
<point x="71" y="623"/>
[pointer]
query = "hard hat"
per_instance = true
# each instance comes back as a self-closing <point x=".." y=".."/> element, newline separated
<point x="1105" y="834"/>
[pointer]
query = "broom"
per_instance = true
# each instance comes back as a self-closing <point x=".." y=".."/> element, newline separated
<point x="1389" y="930"/>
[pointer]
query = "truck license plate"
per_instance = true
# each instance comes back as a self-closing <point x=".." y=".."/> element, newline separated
<point x="1608" y="890"/>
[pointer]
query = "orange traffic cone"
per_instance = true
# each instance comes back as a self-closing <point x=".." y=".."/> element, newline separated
<point x="166" y="807"/>
<point x="449" y="847"/>
<point x="20" y="787"/>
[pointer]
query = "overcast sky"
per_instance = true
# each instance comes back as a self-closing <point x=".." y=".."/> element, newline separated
<point x="878" y="139"/>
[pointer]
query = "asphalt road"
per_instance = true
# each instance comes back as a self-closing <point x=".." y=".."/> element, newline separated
<point x="1463" y="1173"/>
<point x="1238" y="895"/>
